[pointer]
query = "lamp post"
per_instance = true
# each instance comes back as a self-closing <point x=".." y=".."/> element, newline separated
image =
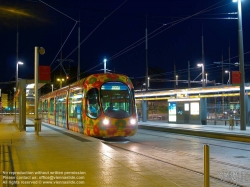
<point x="206" y="78"/>
<point x="148" y="81"/>
<point x="60" y="80"/>
<point x="242" y="71"/>
<point x="202" y="67"/>
<point x="105" y="60"/>
<point x="52" y="87"/>
<point x="228" y="82"/>
<point x="176" y="81"/>
<point x="21" y="63"/>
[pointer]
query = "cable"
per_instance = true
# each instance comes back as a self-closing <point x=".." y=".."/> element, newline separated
<point x="63" y="45"/>
<point x="57" y="10"/>
<point x="173" y="24"/>
<point x="96" y="28"/>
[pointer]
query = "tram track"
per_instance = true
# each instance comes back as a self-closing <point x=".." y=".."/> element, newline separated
<point x="6" y="164"/>
<point x="175" y="165"/>
<point x="242" y="143"/>
<point x="186" y="159"/>
<point x="194" y="156"/>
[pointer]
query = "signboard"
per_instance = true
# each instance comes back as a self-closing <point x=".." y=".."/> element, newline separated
<point x="44" y="74"/>
<point x="186" y="106"/>
<point x="172" y="112"/>
<point x="194" y="108"/>
<point x="236" y="78"/>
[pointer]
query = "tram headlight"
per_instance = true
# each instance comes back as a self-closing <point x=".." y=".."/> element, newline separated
<point x="132" y="121"/>
<point x="105" y="121"/>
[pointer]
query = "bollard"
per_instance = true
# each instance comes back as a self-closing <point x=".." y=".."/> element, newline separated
<point x="37" y="129"/>
<point x="206" y="166"/>
<point x="2" y="168"/>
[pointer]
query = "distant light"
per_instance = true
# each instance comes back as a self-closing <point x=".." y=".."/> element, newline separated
<point x="235" y="1"/>
<point x="105" y="60"/>
<point x="30" y="86"/>
<point x="20" y="62"/>
<point x="199" y="65"/>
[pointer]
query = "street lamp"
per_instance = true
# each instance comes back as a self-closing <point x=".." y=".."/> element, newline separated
<point x="148" y="81"/>
<point x="206" y="78"/>
<point x="52" y="87"/>
<point x="21" y="63"/>
<point x="176" y="80"/>
<point x="105" y="60"/>
<point x="242" y="71"/>
<point x="202" y="66"/>
<point x="228" y="82"/>
<point x="60" y="80"/>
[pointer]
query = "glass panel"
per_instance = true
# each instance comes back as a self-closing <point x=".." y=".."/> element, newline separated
<point x="52" y="106"/>
<point x="117" y="100"/>
<point x="61" y="109"/>
<point x="93" y="105"/>
<point x="75" y="103"/>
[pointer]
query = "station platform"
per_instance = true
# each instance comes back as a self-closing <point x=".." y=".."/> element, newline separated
<point x="219" y="131"/>
<point x="59" y="157"/>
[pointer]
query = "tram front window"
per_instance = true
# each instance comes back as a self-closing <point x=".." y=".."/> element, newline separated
<point x="116" y="100"/>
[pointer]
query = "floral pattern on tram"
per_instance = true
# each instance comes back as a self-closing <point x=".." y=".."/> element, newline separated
<point x="97" y="80"/>
<point x="116" y="127"/>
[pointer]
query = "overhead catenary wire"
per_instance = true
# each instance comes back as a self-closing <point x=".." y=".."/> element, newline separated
<point x="58" y="11"/>
<point x="135" y="44"/>
<point x="63" y="44"/>
<point x="93" y="32"/>
<point x="150" y="35"/>
<point x="73" y="29"/>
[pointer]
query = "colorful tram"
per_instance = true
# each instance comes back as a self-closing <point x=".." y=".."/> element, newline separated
<point x="101" y="105"/>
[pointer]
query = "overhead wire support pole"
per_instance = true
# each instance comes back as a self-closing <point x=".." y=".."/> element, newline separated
<point x="79" y="47"/>
<point x="242" y="71"/>
<point x="17" y="43"/>
<point x="203" y="59"/>
<point x="189" y="85"/>
<point x="146" y="78"/>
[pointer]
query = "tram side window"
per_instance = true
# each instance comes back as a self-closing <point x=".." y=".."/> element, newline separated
<point x="93" y="107"/>
<point x="45" y="106"/>
<point x="52" y="106"/>
<point x="75" y="103"/>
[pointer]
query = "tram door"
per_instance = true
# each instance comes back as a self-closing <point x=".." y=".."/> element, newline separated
<point x="61" y="110"/>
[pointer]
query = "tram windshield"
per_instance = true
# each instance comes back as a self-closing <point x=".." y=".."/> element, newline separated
<point x="117" y="100"/>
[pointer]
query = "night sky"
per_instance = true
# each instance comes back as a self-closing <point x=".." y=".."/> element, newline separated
<point x="115" y="29"/>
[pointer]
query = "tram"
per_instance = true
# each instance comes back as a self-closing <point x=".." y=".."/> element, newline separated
<point x="100" y="105"/>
